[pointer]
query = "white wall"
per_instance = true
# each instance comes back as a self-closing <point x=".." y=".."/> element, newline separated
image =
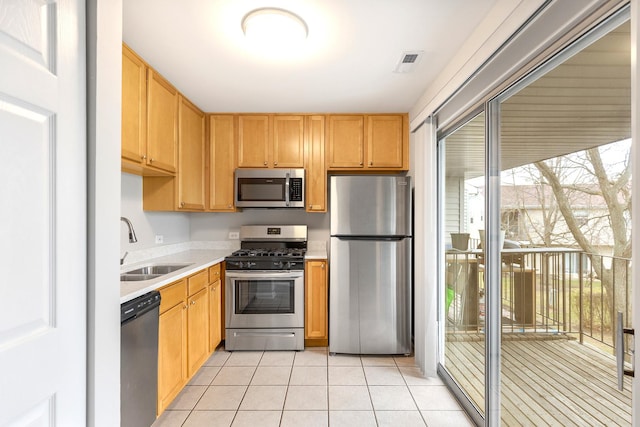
<point x="216" y="226"/>
<point x="173" y="226"/>
<point x="178" y="227"/>
<point x="423" y="170"/>
<point x="104" y="55"/>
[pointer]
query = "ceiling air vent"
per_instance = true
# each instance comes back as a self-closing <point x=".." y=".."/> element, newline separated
<point x="408" y="61"/>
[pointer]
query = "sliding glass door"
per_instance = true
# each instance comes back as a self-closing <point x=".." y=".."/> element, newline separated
<point x="535" y="214"/>
<point x="565" y="210"/>
<point x="462" y="199"/>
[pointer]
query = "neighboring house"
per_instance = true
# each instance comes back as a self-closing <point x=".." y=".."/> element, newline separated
<point x="530" y="215"/>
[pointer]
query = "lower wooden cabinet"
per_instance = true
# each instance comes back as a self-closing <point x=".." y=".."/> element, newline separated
<point x="189" y="330"/>
<point x="172" y="343"/>
<point x="215" y="315"/>
<point x="316" y="320"/>
<point x="215" y="307"/>
<point x="197" y="330"/>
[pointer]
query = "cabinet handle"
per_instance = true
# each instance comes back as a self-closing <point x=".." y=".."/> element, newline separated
<point x="193" y="302"/>
<point x="275" y="163"/>
<point x="144" y="157"/>
<point x="229" y="206"/>
<point x="322" y="266"/>
<point x="182" y="204"/>
<point x="361" y="163"/>
<point x="265" y="163"/>
<point x="184" y="307"/>
<point x="151" y="160"/>
<point x="370" y="163"/>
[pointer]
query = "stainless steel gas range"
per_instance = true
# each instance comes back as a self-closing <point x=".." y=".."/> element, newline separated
<point x="265" y="289"/>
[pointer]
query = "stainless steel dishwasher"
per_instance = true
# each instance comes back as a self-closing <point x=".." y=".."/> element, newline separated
<point x="139" y="360"/>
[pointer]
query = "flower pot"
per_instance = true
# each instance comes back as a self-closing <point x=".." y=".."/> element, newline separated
<point x="460" y="241"/>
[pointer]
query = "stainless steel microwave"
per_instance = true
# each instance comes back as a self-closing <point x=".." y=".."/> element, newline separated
<point x="269" y="188"/>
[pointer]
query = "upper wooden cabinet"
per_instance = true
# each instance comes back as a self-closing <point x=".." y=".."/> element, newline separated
<point x="345" y="141"/>
<point x="149" y="119"/>
<point x="316" y="176"/>
<point x="288" y="142"/>
<point x="270" y="141"/>
<point x="187" y="189"/>
<point x="387" y="142"/>
<point x="253" y="141"/>
<point x="191" y="156"/>
<point x="162" y="122"/>
<point x="134" y="107"/>
<point x="376" y="141"/>
<point x="222" y="162"/>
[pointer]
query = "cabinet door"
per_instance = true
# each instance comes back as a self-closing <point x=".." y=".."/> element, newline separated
<point x="134" y="106"/>
<point x="172" y="354"/>
<point x="253" y="141"/>
<point x="215" y="315"/>
<point x="197" y="330"/>
<point x="162" y="117"/>
<point x="191" y="156"/>
<point x="288" y="141"/>
<point x="316" y="191"/>
<point x="385" y="142"/>
<point x="316" y="325"/>
<point x="222" y="162"/>
<point x="346" y="142"/>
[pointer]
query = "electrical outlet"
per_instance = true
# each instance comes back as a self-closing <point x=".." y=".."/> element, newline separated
<point x="159" y="238"/>
<point x="234" y="235"/>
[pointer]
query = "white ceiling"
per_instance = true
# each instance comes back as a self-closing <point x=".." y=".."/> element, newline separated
<point x="347" y="64"/>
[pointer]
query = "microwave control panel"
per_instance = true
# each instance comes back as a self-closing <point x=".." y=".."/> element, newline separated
<point x="295" y="190"/>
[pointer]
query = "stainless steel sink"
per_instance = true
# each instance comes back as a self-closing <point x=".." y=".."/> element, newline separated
<point x="149" y="272"/>
<point x="158" y="269"/>
<point x="125" y="277"/>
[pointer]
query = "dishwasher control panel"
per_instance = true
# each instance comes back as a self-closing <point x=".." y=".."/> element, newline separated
<point x="137" y="306"/>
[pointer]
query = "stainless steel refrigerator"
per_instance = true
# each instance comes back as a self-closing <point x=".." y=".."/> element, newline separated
<point x="370" y="267"/>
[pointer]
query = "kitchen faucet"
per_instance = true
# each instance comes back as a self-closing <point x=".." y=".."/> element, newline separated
<point x="132" y="234"/>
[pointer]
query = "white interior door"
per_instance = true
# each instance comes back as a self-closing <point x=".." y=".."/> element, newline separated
<point x="43" y="215"/>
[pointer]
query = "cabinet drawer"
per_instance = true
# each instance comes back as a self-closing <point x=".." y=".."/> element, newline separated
<point x="172" y="294"/>
<point x="214" y="273"/>
<point x="197" y="282"/>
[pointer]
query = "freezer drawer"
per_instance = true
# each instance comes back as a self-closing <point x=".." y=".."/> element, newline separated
<point x="370" y="296"/>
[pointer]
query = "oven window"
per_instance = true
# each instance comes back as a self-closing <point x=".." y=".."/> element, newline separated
<point x="252" y="189"/>
<point x="264" y="296"/>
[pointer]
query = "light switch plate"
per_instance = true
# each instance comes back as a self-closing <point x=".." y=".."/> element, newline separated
<point x="159" y="238"/>
<point x="234" y="235"/>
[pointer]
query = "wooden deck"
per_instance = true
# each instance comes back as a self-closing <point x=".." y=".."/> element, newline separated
<point x="545" y="381"/>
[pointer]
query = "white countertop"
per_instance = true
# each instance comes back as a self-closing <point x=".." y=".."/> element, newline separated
<point x="316" y="250"/>
<point x="198" y="258"/>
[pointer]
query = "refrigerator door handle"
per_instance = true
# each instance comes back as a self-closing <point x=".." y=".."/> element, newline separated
<point x="373" y="238"/>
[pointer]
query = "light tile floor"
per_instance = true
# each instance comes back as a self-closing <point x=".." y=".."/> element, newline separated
<point x="311" y="388"/>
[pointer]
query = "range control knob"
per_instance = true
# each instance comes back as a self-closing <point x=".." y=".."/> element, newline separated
<point x="278" y="264"/>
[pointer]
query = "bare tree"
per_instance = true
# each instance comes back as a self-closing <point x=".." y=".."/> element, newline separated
<point x="593" y="179"/>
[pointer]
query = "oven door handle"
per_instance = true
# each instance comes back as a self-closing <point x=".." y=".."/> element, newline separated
<point x="233" y="274"/>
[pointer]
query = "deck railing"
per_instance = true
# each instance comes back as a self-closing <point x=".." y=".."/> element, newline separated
<point x="544" y="290"/>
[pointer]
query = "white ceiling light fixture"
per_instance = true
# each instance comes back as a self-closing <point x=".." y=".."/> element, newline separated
<point x="274" y="28"/>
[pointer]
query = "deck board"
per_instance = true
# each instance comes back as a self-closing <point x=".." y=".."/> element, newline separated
<point x="557" y="382"/>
